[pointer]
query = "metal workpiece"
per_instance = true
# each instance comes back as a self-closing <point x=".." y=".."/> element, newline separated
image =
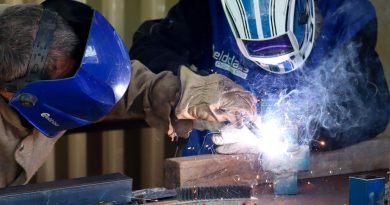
<point x="287" y="160"/>
<point x="285" y="168"/>
<point x="294" y="160"/>
<point x="103" y="189"/>
<point x="285" y="183"/>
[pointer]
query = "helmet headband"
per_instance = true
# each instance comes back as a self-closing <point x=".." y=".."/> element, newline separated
<point x="39" y="53"/>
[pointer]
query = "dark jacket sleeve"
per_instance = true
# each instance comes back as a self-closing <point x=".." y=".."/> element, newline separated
<point x="178" y="39"/>
<point x="364" y="111"/>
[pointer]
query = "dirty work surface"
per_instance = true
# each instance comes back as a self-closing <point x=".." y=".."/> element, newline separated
<point x="317" y="191"/>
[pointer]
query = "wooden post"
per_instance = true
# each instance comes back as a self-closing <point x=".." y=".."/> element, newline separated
<point x="47" y="171"/>
<point x="114" y="11"/>
<point x="113" y="151"/>
<point x="383" y="44"/>
<point x="113" y="158"/>
<point x="152" y="158"/>
<point x="153" y="9"/>
<point x="152" y="142"/>
<point x="77" y="155"/>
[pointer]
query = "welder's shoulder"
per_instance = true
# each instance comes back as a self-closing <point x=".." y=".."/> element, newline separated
<point x="356" y="12"/>
<point x="8" y="117"/>
<point x="11" y="133"/>
<point x="23" y="149"/>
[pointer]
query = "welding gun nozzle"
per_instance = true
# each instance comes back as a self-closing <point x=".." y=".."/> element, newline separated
<point x="253" y="128"/>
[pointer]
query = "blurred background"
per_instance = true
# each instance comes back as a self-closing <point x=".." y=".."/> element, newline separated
<point x="131" y="147"/>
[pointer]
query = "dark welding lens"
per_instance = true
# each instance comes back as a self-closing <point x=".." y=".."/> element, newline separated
<point x="278" y="46"/>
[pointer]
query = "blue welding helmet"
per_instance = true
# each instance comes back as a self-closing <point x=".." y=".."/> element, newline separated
<point x="278" y="35"/>
<point x="99" y="83"/>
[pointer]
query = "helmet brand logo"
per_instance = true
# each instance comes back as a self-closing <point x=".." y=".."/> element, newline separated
<point x="229" y="63"/>
<point x="48" y="118"/>
<point x="225" y="57"/>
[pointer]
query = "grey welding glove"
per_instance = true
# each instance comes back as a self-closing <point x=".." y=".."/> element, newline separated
<point x="232" y="140"/>
<point x="213" y="98"/>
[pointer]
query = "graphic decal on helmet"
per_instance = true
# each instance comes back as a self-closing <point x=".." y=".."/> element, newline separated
<point x="278" y="35"/>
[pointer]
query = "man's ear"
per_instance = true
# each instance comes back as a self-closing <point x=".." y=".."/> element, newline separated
<point x="61" y="68"/>
<point x="6" y="95"/>
<point x="51" y="70"/>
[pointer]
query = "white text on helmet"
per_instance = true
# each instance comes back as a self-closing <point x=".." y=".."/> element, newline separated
<point x="229" y="63"/>
<point x="48" y="118"/>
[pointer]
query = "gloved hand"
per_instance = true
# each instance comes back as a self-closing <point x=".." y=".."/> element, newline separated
<point x="232" y="140"/>
<point x="207" y="125"/>
<point x="154" y="97"/>
<point x="213" y="98"/>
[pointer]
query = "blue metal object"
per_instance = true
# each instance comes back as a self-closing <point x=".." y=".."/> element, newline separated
<point x="110" y="188"/>
<point x="366" y="190"/>
<point x="286" y="183"/>
<point x="100" y="82"/>
<point x="300" y="158"/>
<point x="286" y="167"/>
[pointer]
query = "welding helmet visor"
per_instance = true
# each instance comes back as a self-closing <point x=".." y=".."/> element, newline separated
<point x="277" y="35"/>
<point x="99" y="83"/>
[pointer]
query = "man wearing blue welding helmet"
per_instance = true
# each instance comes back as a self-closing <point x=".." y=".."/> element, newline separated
<point x="62" y="66"/>
<point x="311" y="63"/>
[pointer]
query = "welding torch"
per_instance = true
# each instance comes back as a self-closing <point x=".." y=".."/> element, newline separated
<point x="253" y="128"/>
<point x="251" y="125"/>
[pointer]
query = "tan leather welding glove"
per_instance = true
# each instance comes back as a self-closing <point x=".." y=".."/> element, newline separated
<point x="213" y="98"/>
<point x="171" y="104"/>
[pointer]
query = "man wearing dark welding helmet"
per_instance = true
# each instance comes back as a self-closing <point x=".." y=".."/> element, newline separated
<point x="62" y="66"/>
<point x="311" y="63"/>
